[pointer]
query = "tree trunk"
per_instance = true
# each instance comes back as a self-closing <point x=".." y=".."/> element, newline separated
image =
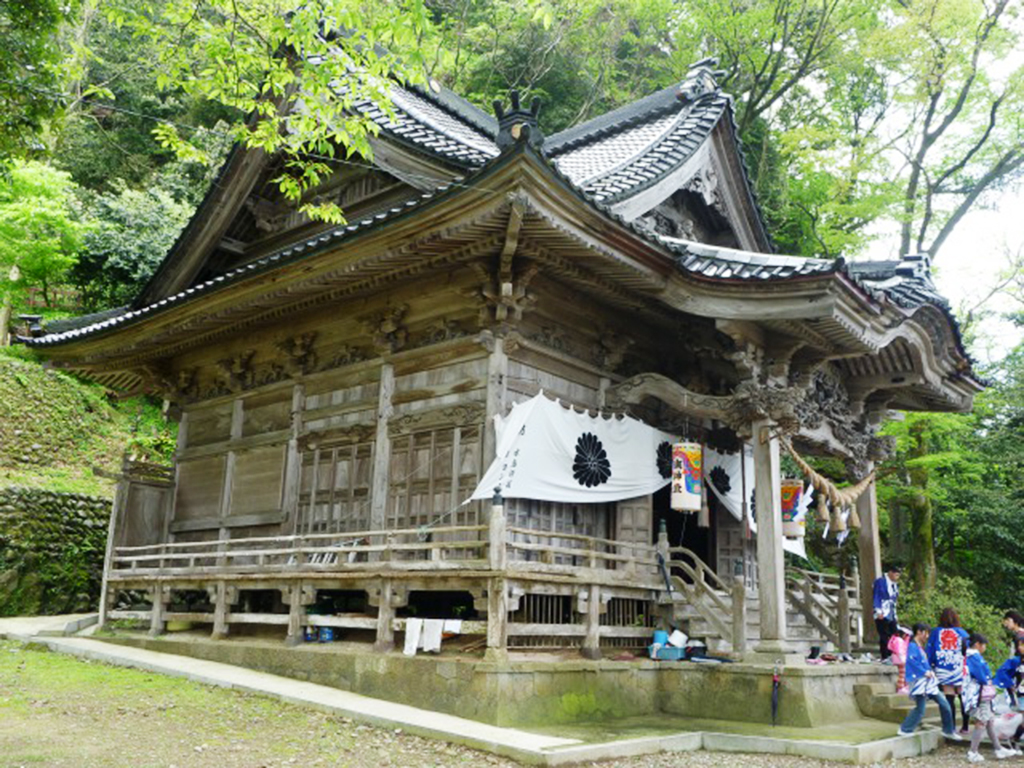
<point x="921" y="566"/>
<point x="5" y="321"/>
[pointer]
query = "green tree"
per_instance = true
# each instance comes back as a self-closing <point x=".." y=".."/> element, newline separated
<point x="40" y="233"/>
<point x="28" y="72"/>
<point x="293" y="73"/>
<point x="131" y="233"/>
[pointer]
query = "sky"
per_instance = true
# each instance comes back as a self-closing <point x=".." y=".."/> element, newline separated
<point x="969" y="266"/>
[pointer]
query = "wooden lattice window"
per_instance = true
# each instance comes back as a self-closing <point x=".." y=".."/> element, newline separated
<point x="432" y="472"/>
<point x="335" y="488"/>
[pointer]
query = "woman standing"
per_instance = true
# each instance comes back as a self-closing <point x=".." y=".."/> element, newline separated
<point x="947" y="647"/>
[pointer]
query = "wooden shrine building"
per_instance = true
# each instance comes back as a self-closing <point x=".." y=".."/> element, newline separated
<point x="337" y="386"/>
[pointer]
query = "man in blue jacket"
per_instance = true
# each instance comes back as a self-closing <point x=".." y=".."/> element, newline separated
<point x="885" y="595"/>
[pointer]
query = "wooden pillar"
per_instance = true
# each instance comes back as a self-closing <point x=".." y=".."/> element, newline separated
<point x="385" y="618"/>
<point x="870" y="556"/>
<point x="739" y="615"/>
<point x="296" y="597"/>
<point x="497" y="388"/>
<point x="116" y="512"/>
<point x="160" y="596"/>
<point x="771" y="564"/>
<point x="497" y="620"/>
<point x="221" y="596"/>
<point x="293" y="460"/>
<point x="591" y="648"/>
<point x="497" y="552"/>
<point x="843" y="614"/>
<point x="382" y="451"/>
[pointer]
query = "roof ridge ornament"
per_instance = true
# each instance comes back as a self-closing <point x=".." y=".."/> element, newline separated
<point x="518" y="124"/>
<point x="701" y="80"/>
<point x="917" y="265"/>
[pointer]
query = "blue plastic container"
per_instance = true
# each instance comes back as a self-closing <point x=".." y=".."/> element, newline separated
<point x="660" y="637"/>
<point x="312" y="634"/>
<point x="326" y="634"/>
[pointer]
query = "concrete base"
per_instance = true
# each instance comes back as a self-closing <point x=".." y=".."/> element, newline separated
<point x="548" y="692"/>
<point x="783" y="659"/>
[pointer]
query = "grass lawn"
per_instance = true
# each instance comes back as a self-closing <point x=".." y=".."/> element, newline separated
<point x="59" y="711"/>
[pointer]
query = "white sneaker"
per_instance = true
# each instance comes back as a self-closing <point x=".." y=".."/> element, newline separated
<point x="975" y="757"/>
<point x="1002" y="754"/>
<point x="901" y="732"/>
<point x="954" y="736"/>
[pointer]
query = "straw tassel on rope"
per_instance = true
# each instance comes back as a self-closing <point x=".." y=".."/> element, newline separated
<point x="838" y="497"/>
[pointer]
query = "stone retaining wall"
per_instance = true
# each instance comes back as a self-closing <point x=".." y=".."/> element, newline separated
<point x="51" y="551"/>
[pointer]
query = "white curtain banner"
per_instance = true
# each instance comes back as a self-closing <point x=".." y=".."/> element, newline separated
<point x="549" y="452"/>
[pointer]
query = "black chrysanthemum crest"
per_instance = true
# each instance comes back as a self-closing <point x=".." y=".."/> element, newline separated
<point x="664" y="459"/>
<point x="720" y="479"/>
<point x="591" y="466"/>
<point x="753" y="504"/>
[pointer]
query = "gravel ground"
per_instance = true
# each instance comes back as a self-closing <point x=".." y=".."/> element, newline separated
<point x="59" y="711"/>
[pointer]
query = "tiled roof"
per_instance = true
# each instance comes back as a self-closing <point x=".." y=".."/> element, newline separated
<point x="731" y="264"/>
<point x="423" y="121"/>
<point x="907" y="283"/>
<point x="613" y="159"/>
<point x="123" y="315"/>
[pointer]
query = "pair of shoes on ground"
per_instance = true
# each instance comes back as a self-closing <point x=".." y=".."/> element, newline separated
<point x="953" y="736"/>
<point x="1001" y="754"/>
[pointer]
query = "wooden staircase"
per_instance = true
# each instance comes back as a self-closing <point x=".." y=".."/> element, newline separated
<point x="705" y="607"/>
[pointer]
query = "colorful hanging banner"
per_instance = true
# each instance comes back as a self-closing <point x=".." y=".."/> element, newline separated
<point x="793" y="518"/>
<point x="687" y="477"/>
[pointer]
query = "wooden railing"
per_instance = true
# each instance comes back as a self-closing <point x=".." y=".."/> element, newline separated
<point x="709" y="595"/>
<point x="402" y="549"/>
<point x="829" y="602"/>
<point x="574" y="551"/>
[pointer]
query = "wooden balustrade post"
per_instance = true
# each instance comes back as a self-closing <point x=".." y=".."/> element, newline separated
<point x="739" y="615"/>
<point x="808" y="589"/>
<point x="121" y="491"/>
<point x="497" y="536"/>
<point x="497" y="620"/>
<point x="296" y="597"/>
<point x="591" y="648"/>
<point x="385" y="618"/>
<point x="222" y="597"/>
<point x="843" y="616"/>
<point x="159" y="595"/>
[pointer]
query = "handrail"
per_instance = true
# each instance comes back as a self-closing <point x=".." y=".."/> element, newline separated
<point x="700" y="591"/>
<point x="819" y="598"/>
<point x="345" y="535"/>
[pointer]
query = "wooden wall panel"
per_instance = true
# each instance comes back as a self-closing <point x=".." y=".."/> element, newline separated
<point x="147" y="508"/>
<point x="258" y="481"/>
<point x="200" y="487"/>
<point x="208" y="425"/>
<point x="267" y="412"/>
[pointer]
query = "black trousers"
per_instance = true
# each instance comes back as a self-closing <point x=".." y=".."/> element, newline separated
<point x="886" y="629"/>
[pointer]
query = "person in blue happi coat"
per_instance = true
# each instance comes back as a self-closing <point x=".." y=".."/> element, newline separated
<point x="978" y="695"/>
<point x="923" y="686"/>
<point x="885" y="595"/>
<point x="946" y="649"/>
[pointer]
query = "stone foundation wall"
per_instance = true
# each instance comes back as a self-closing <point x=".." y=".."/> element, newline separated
<point x="51" y="551"/>
<point x="548" y="692"/>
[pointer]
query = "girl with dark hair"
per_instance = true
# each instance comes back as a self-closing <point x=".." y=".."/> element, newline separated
<point x="946" y="649"/>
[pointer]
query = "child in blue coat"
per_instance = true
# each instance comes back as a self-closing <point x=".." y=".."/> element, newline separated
<point x="923" y="686"/>
<point x="978" y="694"/>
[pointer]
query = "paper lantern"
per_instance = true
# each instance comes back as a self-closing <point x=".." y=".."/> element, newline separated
<point x="687" y="477"/>
<point x="793" y="523"/>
